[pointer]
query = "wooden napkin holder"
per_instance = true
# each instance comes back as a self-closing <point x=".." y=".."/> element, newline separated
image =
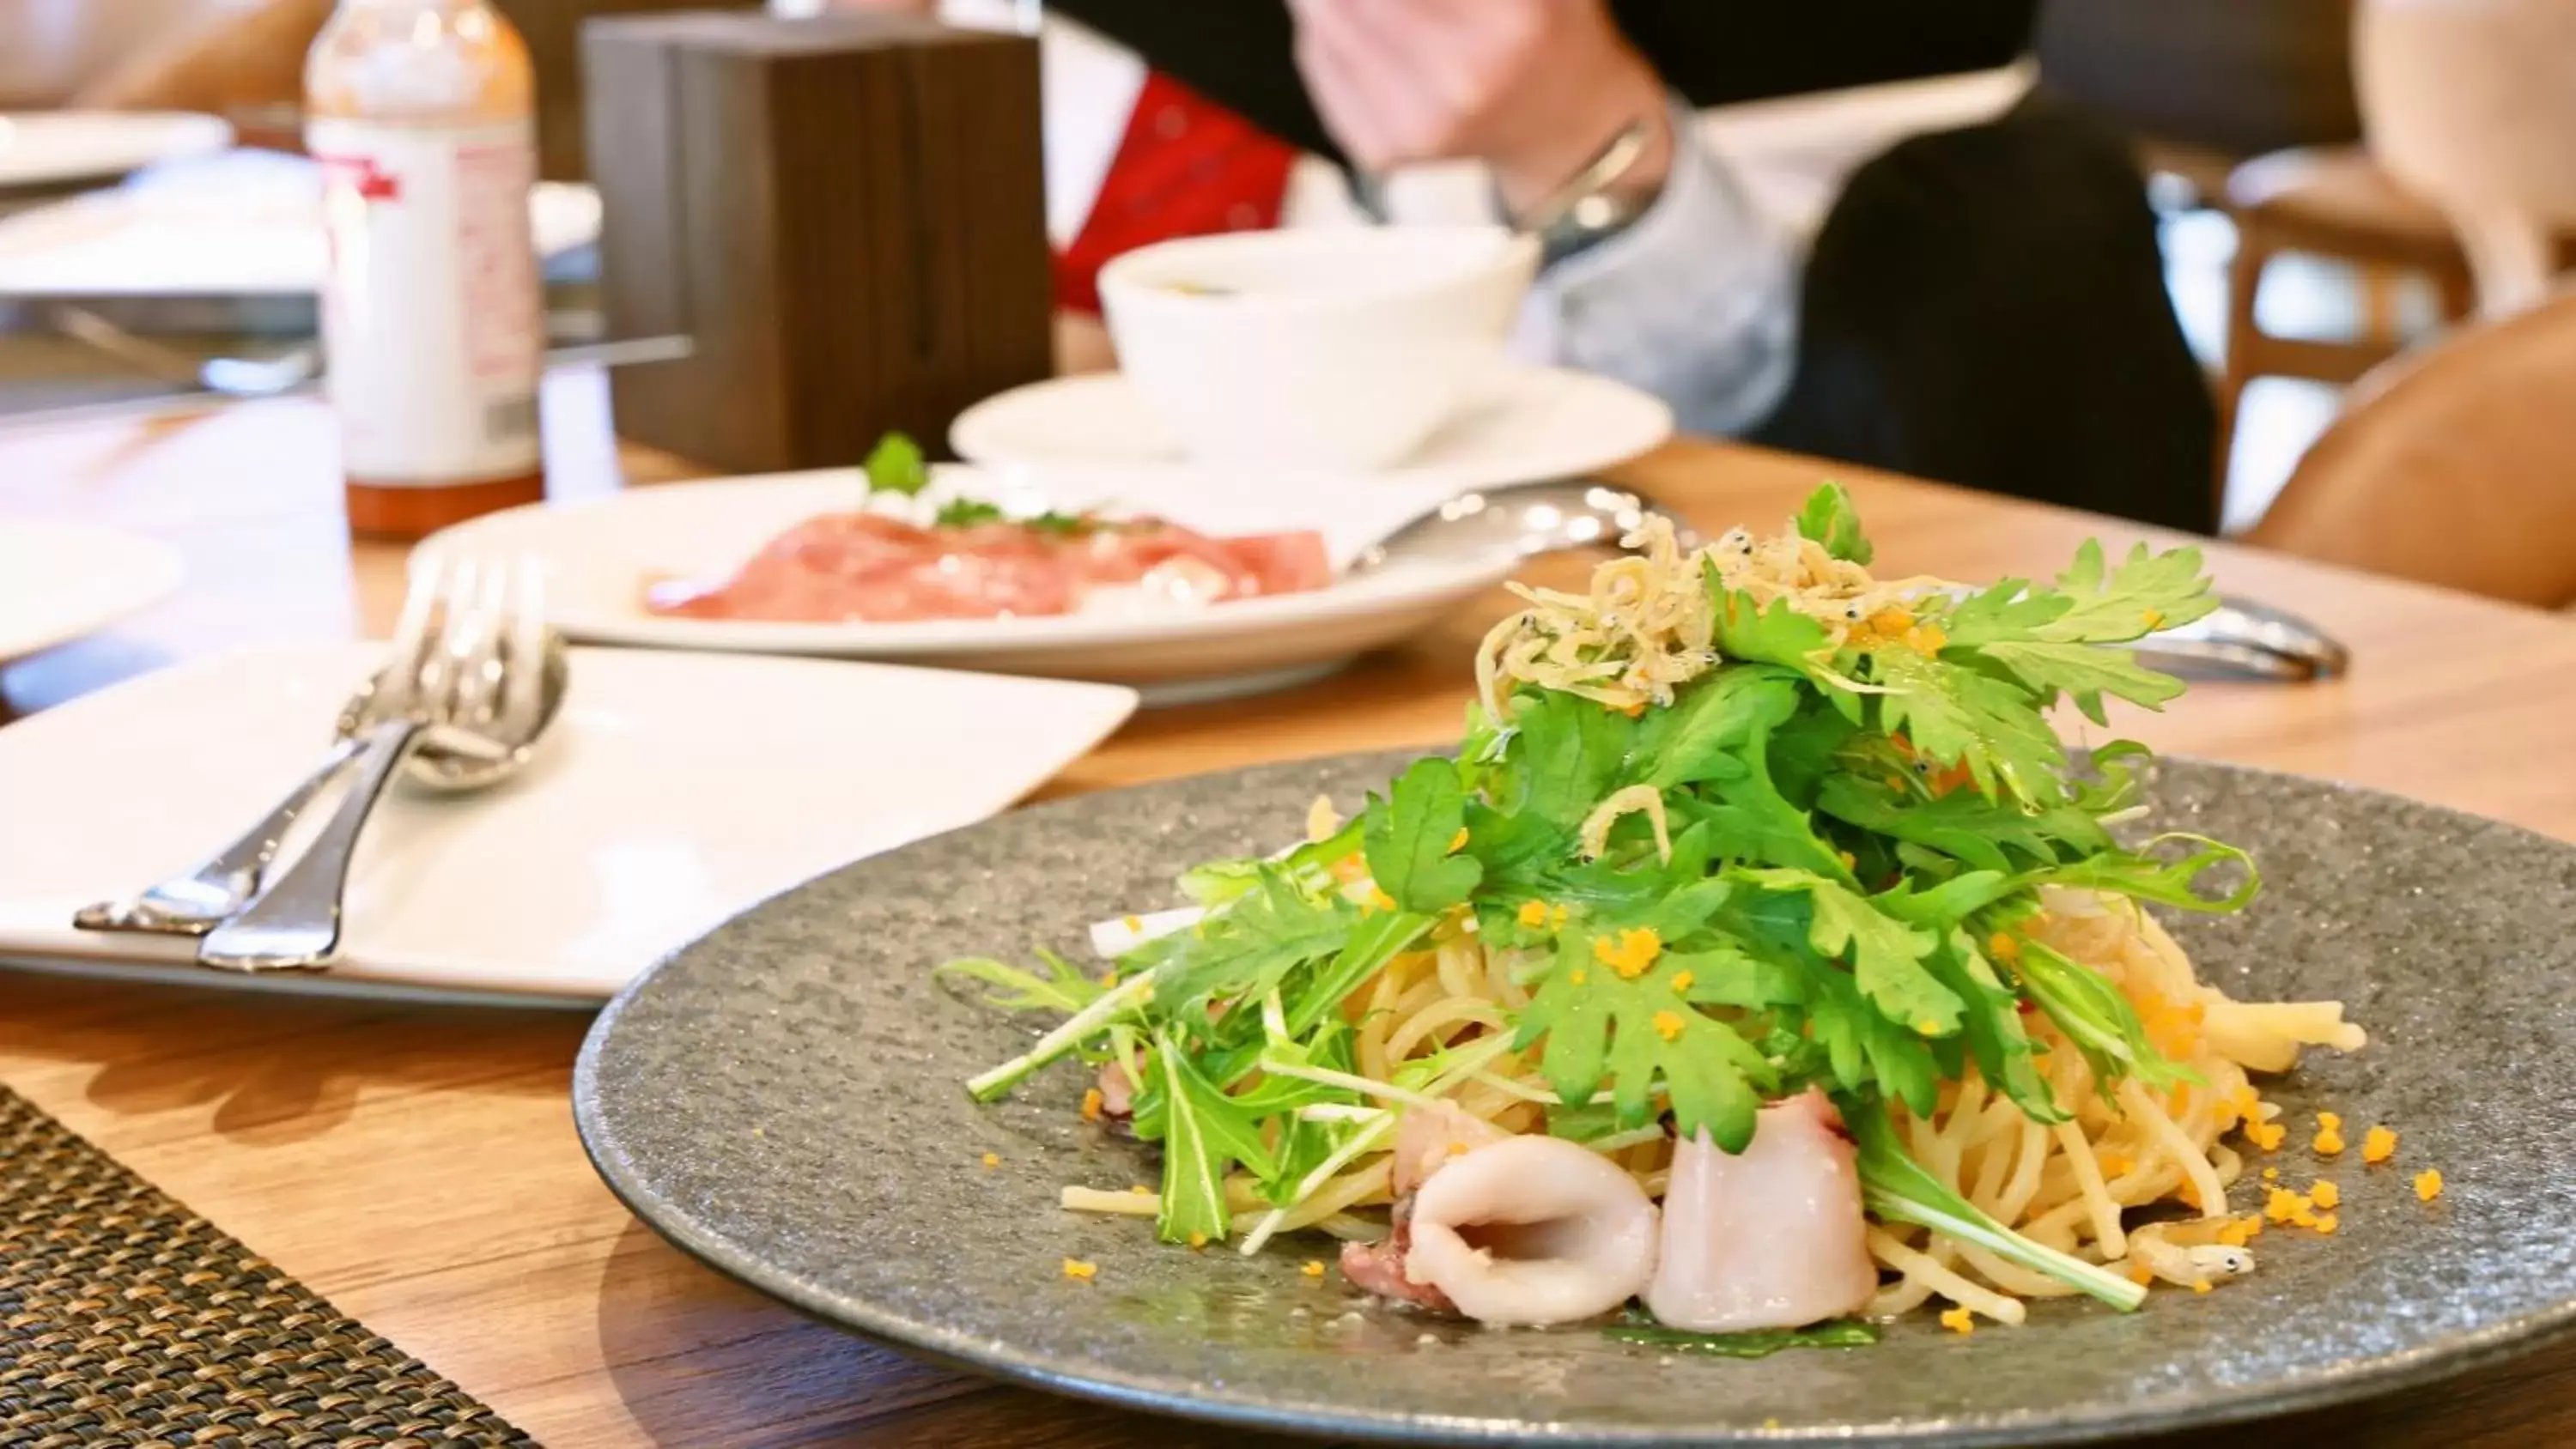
<point x="552" y="29"/>
<point x="845" y="214"/>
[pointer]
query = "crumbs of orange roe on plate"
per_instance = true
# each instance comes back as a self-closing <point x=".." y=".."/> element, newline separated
<point x="2325" y="1194"/>
<point x="1314" y="1268"/>
<point x="1091" y="1100"/>
<point x="2428" y="1184"/>
<point x="2329" y="1138"/>
<point x="1959" y="1320"/>
<point x="1080" y="1271"/>
<point x="992" y="1159"/>
<point x="2378" y="1145"/>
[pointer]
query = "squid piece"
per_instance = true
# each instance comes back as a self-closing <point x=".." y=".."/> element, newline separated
<point x="1769" y="1238"/>
<point x="1532" y="1230"/>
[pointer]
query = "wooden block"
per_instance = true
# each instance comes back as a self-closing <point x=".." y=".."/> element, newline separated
<point x="846" y="214"/>
<point x="552" y="29"/>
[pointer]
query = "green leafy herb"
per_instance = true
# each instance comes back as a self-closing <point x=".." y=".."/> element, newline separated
<point x="896" y="466"/>
<point x="1061" y="988"/>
<point x="1896" y="1188"/>
<point x="2095" y="1015"/>
<point x="1203" y="1132"/>
<point x="1830" y="519"/>
<point x="966" y="513"/>
<point x="1601" y="1021"/>
<point x="1244" y="951"/>
<point x="1413" y="837"/>
<point x="1756" y="1343"/>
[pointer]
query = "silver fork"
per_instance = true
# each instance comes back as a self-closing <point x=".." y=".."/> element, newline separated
<point x="473" y="678"/>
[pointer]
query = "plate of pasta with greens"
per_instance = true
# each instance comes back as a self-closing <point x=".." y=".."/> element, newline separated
<point x="1783" y="1013"/>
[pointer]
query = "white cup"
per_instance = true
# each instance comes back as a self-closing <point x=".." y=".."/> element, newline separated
<point x="1328" y="348"/>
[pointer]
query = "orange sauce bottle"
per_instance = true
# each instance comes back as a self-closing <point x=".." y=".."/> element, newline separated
<point x="422" y="116"/>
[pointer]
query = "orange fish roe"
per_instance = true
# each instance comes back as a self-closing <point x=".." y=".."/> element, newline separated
<point x="2271" y="1174"/>
<point x="2329" y="1122"/>
<point x="2329" y="1142"/>
<point x="2152" y="618"/>
<point x="2244" y="1104"/>
<point x="1681" y="982"/>
<point x="1668" y="1025"/>
<point x="2239" y="1231"/>
<point x="1091" y="1100"/>
<point x="992" y="1159"/>
<point x="1458" y="842"/>
<point x="1849" y="860"/>
<point x="2141" y="1274"/>
<point x="1635" y="950"/>
<point x="2003" y="947"/>
<point x="1314" y="1268"/>
<point x="2325" y="1195"/>
<point x="2428" y="1184"/>
<point x="1198" y="1241"/>
<point x="2284" y="1206"/>
<point x="2266" y="1135"/>
<point x="2378" y="1145"/>
<point x="2113" y="1164"/>
<point x="2325" y="1223"/>
<point x="2199" y="1285"/>
<point x="1378" y="900"/>
<point x="1532" y="914"/>
<point x="1080" y="1271"/>
<point x="1959" y="1320"/>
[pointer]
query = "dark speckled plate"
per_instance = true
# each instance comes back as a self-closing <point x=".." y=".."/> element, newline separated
<point x="781" y="1100"/>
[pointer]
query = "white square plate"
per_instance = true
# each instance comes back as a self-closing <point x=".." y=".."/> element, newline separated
<point x="674" y="791"/>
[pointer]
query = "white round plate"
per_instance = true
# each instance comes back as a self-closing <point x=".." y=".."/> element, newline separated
<point x="51" y="148"/>
<point x="1530" y="424"/>
<point x="242" y="224"/>
<point x="60" y="581"/>
<point x="599" y="556"/>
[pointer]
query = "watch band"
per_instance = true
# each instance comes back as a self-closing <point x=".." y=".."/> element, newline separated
<point x="1587" y="208"/>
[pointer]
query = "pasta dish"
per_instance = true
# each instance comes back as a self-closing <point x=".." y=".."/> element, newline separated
<point x="1761" y="964"/>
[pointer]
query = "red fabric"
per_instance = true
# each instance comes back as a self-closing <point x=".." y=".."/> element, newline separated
<point x="1185" y="167"/>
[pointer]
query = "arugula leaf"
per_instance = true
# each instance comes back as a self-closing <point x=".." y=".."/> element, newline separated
<point x="1829" y="519"/>
<point x="1639" y="1030"/>
<point x="1753" y="1343"/>
<point x="1378" y="938"/>
<point x="2141" y="876"/>
<point x="1412" y="837"/>
<point x="1242" y="952"/>
<point x="1203" y="1132"/>
<point x="1062" y="988"/>
<point x="2119" y="768"/>
<point x="1897" y="1189"/>
<point x="1951" y="714"/>
<point x="2095" y="1015"/>
<point x="896" y="466"/>
<point x="1887" y="954"/>
<point x="966" y="513"/>
<point x="2084" y="672"/>
<point x="2147" y="592"/>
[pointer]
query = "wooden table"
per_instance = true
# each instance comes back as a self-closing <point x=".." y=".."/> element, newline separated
<point x="419" y="1167"/>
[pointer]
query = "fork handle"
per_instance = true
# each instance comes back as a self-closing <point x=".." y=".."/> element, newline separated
<point x="295" y="923"/>
<point x="193" y="903"/>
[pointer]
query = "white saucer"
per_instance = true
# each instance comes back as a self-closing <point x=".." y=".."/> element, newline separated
<point x="599" y="556"/>
<point x="675" y="791"/>
<point x="60" y="582"/>
<point x="53" y="148"/>
<point x="1533" y="423"/>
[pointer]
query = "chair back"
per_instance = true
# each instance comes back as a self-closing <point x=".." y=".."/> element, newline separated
<point x="2453" y="465"/>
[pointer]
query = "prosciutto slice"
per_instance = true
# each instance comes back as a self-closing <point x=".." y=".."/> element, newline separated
<point x="865" y="566"/>
<point x="1769" y="1238"/>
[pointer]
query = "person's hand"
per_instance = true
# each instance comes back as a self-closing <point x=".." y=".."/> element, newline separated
<point x="1532" y="88"/>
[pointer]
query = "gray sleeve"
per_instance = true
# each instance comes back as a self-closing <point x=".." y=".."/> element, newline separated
<point x="1695" y="301"/>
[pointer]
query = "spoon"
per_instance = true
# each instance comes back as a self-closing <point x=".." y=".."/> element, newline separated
<point x="437" y="757"/>
<point x="2238" y="640"/>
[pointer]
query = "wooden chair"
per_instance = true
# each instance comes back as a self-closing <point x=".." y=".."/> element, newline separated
<point x="2454" y="465"/>
<point x="2331" y="202"/>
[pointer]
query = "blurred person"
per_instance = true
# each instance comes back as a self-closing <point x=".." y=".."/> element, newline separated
<point x="224" y="57"/>
<point x="1982" y="304"/>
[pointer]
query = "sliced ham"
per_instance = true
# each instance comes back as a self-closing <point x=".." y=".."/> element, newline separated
<point x="1769" y="1238"/>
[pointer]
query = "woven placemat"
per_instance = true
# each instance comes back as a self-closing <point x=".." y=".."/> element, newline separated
<point x="127" y="1320"/>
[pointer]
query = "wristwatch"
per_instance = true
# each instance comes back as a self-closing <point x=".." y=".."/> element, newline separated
<point x="1590" y="207"/>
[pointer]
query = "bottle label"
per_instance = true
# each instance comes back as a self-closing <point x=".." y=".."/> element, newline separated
<point x="431" y="316"/>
